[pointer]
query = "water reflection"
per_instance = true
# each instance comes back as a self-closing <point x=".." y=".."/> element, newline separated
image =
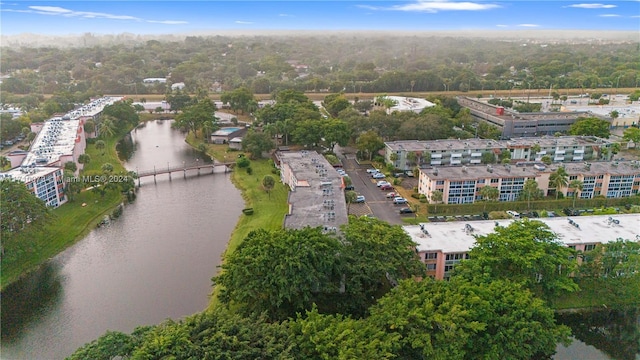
<point x="24" y="302"/>
<point x="614" y="332"/>
<point x="125" y="148"/>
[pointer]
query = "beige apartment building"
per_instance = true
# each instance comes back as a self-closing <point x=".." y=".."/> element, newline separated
<point x="443" y="245"/>
<point x="462" y="184"/>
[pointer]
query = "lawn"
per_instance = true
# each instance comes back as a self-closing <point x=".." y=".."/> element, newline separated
<point x="269" y="209"/>
<point x="69" y="223"/>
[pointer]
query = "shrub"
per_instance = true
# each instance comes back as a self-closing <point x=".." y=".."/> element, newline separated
<point x="495" y="215"/>
<point x="249" y="170"/>
<point x="243" y="162"/>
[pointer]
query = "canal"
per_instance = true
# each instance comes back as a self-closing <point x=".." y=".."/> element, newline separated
<point x="154" y="262"/>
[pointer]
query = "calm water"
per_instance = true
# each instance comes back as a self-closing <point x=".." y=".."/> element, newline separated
<point x="154" y="262"/>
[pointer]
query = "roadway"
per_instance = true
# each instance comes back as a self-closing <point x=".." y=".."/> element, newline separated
<point x="376" y="204"/>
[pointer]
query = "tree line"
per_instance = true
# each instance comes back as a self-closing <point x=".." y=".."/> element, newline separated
<point x="302" y="294"/>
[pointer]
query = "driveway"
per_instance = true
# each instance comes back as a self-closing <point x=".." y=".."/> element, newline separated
<point x="376" y="204"/>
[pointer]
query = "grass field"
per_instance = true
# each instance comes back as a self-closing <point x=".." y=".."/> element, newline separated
<point x="69" y="223"/>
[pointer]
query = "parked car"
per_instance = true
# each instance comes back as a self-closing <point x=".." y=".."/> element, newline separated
<point x="399" y="200"/>
<point x="386" y="187"/>
<point x="349" y="187"/>
<point x="360" y="199"/>
<point x="378" y="176"/>
<point x="372" y="170"/>
<point x="410" y="173"/>
<point x="406" y="210"/>
<point x="382" y="182"/>
<point x="399" y="175"/>
<point x="391" y="195"/>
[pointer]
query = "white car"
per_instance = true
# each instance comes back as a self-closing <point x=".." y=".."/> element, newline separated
<point x="378" y="176"/>
<point x="399" y="200"/>
<point x="382" y="182"/>
<point x="373" y="171"/>
<point x="360" y="199"/>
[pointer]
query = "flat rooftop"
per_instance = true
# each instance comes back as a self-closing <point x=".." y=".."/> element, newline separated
<point x="56" y="138"/>
<point x="28" y="173"/>
<point x="451" y="237"/>
<point x="451" y="144"/>
<point x="471" y="172"/>
<point x="409" y="104"/>
<point x="93" y="108"/>
<point x="318" y="199"/>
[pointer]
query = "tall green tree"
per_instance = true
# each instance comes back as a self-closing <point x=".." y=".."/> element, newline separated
<point x="268" y="182"/>
<point x="577" y="187"/>
<point x="281" y="272"/>
<point x="526" y="252"/>
<point x="632" y="134"/>
<point x="530" y="191"/>
<point x="336" y="132"/>
<point x="369" y="143"/>
<point x="559" y="179"/>
<point x="238" y="99"/>
<point x="256" y="143"/>
<point x="19" y="208"/>
<point x="100" y="145"/>
<point x="436" y="197"/>
<point x="194" y="117"/>
<point x="591" y="126"/>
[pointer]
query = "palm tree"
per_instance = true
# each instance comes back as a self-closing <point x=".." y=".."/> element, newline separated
<point x="558" y="179"/>
<point x="4" y="162"/>
<point x="436" y="197"/>
<point x="577" y="187"/>
<point x="84" y="159"/>
<point x="100" y="145"/>
<point x="489" y="193"/>
<point x="535" y="149"/>
<point x="350" y="197"/>
<point x="107" y="127"/>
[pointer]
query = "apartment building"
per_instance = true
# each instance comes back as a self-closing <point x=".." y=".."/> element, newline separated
<point x="515" y="124"/>
<point x="407" y="154"/>
<point x="58" y="141"/>
<point x="317" y="191"/>
<point x="45" y="182"/>
<point x="462" y="184"/>
<point x="443" y="245"/>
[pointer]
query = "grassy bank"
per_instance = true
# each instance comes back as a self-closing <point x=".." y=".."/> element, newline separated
<point x="268" y="209"/>
<point x="602" y="293"/>
<point x="70" y="222"/>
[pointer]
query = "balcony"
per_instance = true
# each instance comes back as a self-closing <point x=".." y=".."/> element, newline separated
<point x="455" y="162"/>
<point x="436" y="162"/>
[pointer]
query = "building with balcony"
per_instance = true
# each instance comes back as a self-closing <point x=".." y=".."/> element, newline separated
<point x="407" y="154"/>
<point x="515" y="124"/>
<point x="443" y="245"/>
<point x="462" y="184"/>
<point x="59" y="140"/>
<point x="317" y="191"/>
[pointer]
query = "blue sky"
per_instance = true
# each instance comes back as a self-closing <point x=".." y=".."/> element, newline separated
<point x="164" y="17"/>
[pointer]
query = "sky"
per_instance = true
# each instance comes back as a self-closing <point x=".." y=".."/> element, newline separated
<point x="182" y="17"/>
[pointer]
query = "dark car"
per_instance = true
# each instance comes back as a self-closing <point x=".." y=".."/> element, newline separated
<point x="406" y="210"/>
<point x="386" y="187"/>
<point x="349" y="187"/>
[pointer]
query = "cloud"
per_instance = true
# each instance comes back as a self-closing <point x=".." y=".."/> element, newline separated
<point x="285" y="15"/>
<point x="609" y="15"/>
<point x="528" y="25"/>
<point x="502" y="25"/>
<point x="60" y="11"/>
<point x="434" y="6"/>
<point x="593" y="6"/>
<point x="243" y="22"/>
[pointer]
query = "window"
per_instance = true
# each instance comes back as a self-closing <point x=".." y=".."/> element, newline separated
<point x="494" y="181"/>
<point x="481" y="181"/>
<point x="430" y="256"/>
<point x="440" y="182"/>
<point x="589" y="247"/>
<point x="431" y="267"/>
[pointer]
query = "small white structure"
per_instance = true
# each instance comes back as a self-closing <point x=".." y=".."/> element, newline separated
<point x="235" y="143"/>
<point x="177" y="86"/>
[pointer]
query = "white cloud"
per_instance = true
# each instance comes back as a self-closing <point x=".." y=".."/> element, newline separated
<point x="285" y="15"/>
<point x="528" y="25"/>
<point x="60" y="11"/>
<point x="609" y="15"/>
<point x="433" y="6"/>
<point x="243" y="22"/>
<point x="502" y="25"/>
<point x="593" y="6"/>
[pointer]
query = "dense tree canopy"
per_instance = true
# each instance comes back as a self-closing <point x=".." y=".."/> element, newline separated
<point x="591" y="127"/>
<point x="19" y="208"/>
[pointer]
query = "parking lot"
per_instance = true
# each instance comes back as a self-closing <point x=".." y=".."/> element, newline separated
<point x="376" y="204"/>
